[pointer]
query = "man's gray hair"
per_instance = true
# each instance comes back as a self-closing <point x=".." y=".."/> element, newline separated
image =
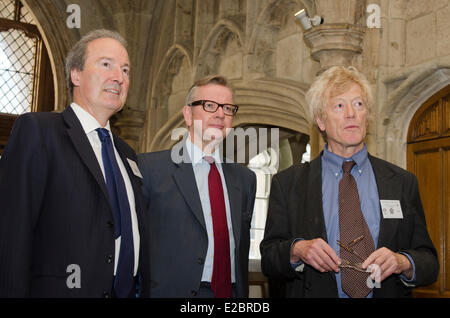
<point x="77" y="55"/>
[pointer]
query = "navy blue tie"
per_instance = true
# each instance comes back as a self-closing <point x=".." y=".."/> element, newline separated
<point x="124" y="281"/>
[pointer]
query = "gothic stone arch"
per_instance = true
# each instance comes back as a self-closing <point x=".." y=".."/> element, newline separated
<point x="278" y="103"/>
<point x="410" y="89"/>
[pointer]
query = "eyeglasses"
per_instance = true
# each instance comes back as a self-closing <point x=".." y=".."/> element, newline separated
<point x="355" y="266"/>
<point x="348" y="247"/>
<point x="212" y="106"/>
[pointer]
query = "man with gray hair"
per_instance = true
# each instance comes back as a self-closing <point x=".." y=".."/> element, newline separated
<point x="347" y="224"/>
<point x="72" y="216"/>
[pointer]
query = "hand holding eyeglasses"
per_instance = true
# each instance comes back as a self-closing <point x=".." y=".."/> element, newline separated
<point x="316" y="253"/>
<point x="349" y="248"/>
<point x="388" y="262"/>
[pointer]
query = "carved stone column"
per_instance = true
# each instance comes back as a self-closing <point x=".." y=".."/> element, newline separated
<point x="334" y="44"/>
<point x="128" y="124"/>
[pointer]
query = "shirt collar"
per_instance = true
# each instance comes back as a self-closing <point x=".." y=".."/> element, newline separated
<point x="334" y="161"/>
<point x="88" y="122"/>
<point x="196" y="154"/>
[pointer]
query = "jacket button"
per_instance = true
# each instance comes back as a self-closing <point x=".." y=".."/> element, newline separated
<point x="109" y="259"/>
<point x="193" y="293"/>
<point x="201" y="261"/>
<point x="106" y="295"/>
<point x="110" y="224"/>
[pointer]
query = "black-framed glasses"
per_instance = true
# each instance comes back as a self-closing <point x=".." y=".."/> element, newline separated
<point x="211" y="106"/>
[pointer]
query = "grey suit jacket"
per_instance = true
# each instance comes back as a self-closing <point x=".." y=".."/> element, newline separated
<point x="178" y="237"/>
<point x="295" y="210"/>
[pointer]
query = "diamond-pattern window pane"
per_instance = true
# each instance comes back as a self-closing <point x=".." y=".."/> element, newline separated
<point x="16" y="71"/>
<point x="26" y="16"/>
<point x="7" y="9"/>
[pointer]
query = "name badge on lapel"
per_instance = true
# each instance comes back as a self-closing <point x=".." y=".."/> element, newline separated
<point x="134" y="168"/>
<point x="391" y="209"/>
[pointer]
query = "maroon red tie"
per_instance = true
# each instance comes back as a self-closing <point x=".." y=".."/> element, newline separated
<point x="221" y="276"/>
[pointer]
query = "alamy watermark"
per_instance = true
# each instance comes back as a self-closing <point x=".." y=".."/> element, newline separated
<point x="73" y="21"/>
<point x="373" y="20"/>
<point x="374" y="16"/>
<point x="239" y="146"/>
<point x="374" y="279"/>
<point x="74" y="278"/>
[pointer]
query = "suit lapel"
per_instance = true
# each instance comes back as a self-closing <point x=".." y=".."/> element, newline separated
<point x="314" y="207"/>
<point x="84" y="148"/>
<point x="314" y="204"/>
<point x="185" y="179"/>
<point x="235" y="200"/>
<point x="388" y="189"/>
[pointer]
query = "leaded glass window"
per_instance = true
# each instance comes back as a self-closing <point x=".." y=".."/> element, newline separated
<point x="19" y="43"/>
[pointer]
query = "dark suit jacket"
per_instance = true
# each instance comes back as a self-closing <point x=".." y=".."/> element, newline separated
<point x="55" y="211"/>
<point x="295" y="210"/>
<point x="178" y="237"/>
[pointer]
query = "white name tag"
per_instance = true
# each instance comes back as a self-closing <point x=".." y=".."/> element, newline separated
<point x="391" y="209"/>
<point x="134" y="168"/>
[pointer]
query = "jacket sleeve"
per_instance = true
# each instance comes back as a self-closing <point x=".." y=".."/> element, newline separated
<point x="276" y="244"/>
<point x="421" y="248"/>
<point x="23" y="170"/>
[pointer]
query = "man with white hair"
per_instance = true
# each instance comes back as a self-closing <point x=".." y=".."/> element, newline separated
<point x="346" y="222"/>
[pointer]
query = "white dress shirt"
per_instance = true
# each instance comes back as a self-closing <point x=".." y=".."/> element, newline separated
<point x="90" y="124"/>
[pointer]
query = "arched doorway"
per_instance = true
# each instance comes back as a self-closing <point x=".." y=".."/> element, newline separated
<point x="428" y="157"/>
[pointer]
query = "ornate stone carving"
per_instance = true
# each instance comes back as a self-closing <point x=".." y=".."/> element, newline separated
<point x="428" y="125"/>
<point x="334" y="44"/>
<point x="433" y="122"/>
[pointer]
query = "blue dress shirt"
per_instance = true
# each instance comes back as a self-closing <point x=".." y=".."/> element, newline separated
<point x="201" y="171"/>
<point x="368" y="195"/>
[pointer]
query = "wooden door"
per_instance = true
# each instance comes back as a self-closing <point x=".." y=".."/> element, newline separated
<point x="428" y="157"/>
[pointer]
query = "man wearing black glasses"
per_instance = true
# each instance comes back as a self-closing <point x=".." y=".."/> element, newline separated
<point x="200" y="209"/>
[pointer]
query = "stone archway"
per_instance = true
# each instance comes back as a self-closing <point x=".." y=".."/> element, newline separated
<point x="222" y="33"/>
<point x="410" y="89"/>
<point x="159" y="109"/>
<point x="262" y="102"/>
<point x="261" y="46"/>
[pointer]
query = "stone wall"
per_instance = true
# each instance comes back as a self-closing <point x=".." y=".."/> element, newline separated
<point x="414" y="62"/>
<point x="269" y="57"/>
